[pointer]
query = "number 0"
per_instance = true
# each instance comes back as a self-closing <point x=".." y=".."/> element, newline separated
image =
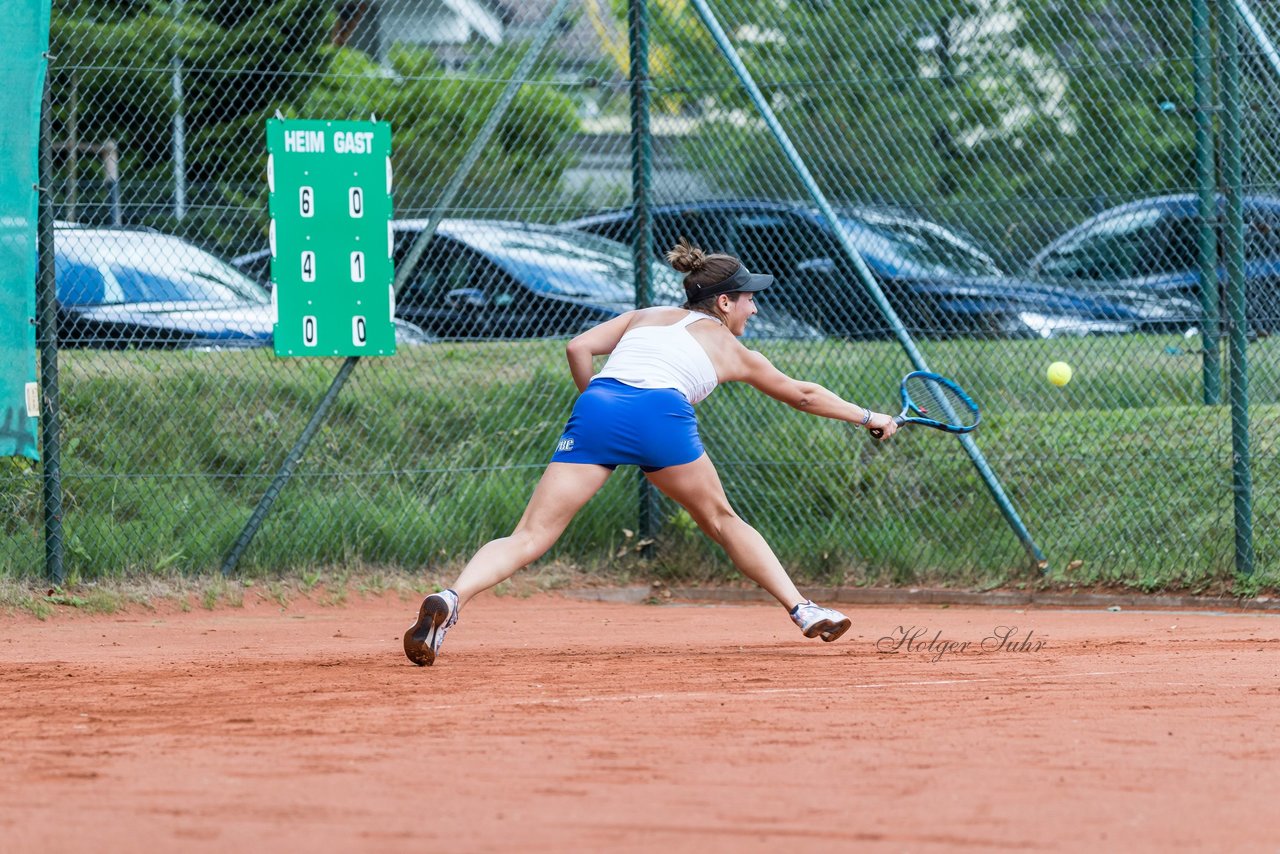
<point x="309" y="330"/>
<point x="358" y="331"/>
<point x="356" y="202"/>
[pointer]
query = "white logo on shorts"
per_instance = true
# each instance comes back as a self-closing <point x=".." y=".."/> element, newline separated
<point x="566" y="444"/>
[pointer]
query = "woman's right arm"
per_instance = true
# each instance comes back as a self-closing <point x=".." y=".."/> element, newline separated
<point x="596" y="341"/>
<point x="757" y="371"/>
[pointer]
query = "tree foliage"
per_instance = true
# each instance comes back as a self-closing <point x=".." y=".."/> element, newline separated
<point x="437" y="113"/>
<point x="1011" y="118"/>
<point x="113" y="78"/>
<point x="241" y="63"/>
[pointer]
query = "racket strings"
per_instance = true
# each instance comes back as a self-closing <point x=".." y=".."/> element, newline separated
<point x="941" y="402"/>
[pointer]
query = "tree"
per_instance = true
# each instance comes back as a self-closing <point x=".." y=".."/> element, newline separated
<point x="1008" y="118"/>
<point x="436" y="113"/>
<point x="241" y="63"/>
<point x="1120" y="61"/>
<point x="113" y="79"/>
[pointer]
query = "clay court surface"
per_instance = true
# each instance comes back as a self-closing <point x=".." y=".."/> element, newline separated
<point x="556" y="724"/>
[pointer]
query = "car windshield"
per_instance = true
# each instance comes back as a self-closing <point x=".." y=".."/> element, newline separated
<point x="917" y="246"/>
<point x="570" y="264"/>
<point x="109" y="268"/>
<point x="1110" y="247"/>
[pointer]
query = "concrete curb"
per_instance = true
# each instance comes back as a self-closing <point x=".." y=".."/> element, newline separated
<point x="919" y="596"/>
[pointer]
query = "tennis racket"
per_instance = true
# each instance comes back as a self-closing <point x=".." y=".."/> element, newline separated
<point x="934" y="401"/>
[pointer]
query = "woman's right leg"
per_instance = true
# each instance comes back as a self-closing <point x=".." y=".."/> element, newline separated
<point x="560" y="494"/>
<point x="696" y="487"/>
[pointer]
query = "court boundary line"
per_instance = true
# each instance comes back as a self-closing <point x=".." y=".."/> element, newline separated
<point x="939" y="596"/>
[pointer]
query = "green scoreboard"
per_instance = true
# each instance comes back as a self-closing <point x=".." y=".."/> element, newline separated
<point x="331" y="238"/>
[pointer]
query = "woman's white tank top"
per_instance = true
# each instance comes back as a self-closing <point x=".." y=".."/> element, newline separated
<point x="664" y="357"/>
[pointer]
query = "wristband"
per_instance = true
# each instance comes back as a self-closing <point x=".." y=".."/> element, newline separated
<point x="866" y="419"/>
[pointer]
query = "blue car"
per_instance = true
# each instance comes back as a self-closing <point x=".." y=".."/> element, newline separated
<point x="940" y="284"/>
<point x="1149" y="249"/>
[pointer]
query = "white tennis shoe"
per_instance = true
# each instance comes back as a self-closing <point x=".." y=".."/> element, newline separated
<point x="437" y="615"/>
<point x="815" y="621"/>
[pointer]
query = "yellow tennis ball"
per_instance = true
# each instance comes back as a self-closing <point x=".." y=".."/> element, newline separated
<point x="1059" y="373"/>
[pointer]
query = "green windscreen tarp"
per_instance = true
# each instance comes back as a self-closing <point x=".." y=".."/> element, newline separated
<point x="24" y="33"/>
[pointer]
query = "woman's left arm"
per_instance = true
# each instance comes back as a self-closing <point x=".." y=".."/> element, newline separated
<point x="596" y="341"/>
<point x="754" y="369"/>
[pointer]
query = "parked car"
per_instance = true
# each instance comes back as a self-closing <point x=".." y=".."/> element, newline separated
<point x="124" y="288"/>
<point x="1150" y="249"/>
<point x="939" y="283"/>
<point x="496" y="279"/>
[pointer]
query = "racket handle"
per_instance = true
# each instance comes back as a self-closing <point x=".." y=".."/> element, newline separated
<point x="876" y="432"/>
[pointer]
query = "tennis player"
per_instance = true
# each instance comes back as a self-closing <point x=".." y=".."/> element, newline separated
<point x="638" y="410"/>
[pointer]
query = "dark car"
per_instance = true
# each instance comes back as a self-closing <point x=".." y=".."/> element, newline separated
<point x="123" y="288"/>
<point x="1150" y="249"/>
<point x="496" y="279"/>
<point x="940" y="284"/>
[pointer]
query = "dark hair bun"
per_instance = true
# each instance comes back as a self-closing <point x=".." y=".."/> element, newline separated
<point x="686" y="258"/>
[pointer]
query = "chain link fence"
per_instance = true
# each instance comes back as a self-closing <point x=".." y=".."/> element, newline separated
<point x="1024" y="180"/>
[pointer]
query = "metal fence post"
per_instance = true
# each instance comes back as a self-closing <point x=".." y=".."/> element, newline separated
<point x="1237" y="313"/>
<point x="47" y="340"/>
<point x="179" y="118"/>
<point x="642" y="234"/>
<point x="1211" y="367"/>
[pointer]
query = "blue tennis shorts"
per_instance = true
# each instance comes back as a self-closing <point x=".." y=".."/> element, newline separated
<point x="614" y="424"/>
